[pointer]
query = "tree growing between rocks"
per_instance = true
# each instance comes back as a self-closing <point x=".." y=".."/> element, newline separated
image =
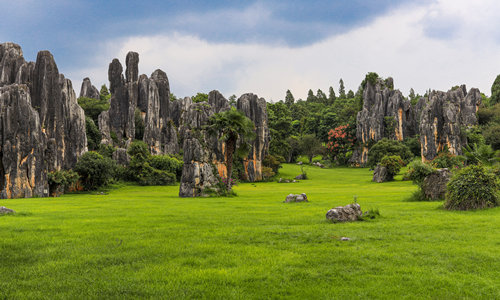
<point x="234" y="127"/>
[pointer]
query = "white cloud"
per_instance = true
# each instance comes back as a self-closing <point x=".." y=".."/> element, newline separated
<point x="396" y="44"/>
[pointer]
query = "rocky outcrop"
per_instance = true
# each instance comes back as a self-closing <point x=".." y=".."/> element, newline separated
<point x="380" y="174"/>
<point x="4" y="210"/>
<point x="296" y="198"/>
<point x="350" y="212"/>
<point x="88" y="90"/>
<point x="43" y="125"/>
<point x="434" y="185"/>
<point x="139" y="97"/>
<point x="255" y="109"/>
<point x="438" y="118"/>
<point x="22" y="145"/>
<point x="443" y="119"/>
<point x="385" y="113"/>
<point x="62" y="119"/>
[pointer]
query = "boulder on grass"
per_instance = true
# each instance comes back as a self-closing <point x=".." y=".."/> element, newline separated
<point x="300" y="177"/>
<point x="4" y="210"/>
<point x="296" y="198"/>
<point x="434" y="185"/>
<point x="350" y="212"/>
<point x="380" y="174"/>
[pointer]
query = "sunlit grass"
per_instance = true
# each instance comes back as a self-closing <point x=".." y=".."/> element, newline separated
<point x="143" y="242"/>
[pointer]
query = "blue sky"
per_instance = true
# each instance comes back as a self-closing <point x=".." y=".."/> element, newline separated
<point x="265" y="46"/>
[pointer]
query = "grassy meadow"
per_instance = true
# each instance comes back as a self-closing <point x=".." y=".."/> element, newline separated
<point x="146" y="242"/>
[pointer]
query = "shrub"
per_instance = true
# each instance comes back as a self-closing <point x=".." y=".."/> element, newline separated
<point x="267" y="173"/>
<point x="95" y="170"/>
<point x="167" y="163"/>
<point x="152" y="176"/>
<point x="393" y="164"/>
<point x="93" y="134"/>
<point x="106" y="150"/>
<point x="388" y="147"/>
<point x="414" y="145"/>
<point x="93" y="107"/>
<point x="141" y="170"/>
<point x="61" y="181"/>
<point x="272" y="162"/>
<point x="492" y="135"/>
<point x="417" y="171"/>
<point x="472" y="187"/>
<point x="447" y="160"/>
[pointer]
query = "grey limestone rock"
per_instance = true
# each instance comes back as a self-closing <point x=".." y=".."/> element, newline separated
<point x="385" y="113"/>
<point x="434" y="185"/>
<point x="256" y="110"/>
<point x="22" y="145"/>
<point x="380" y="174"/>
<point x="88" y="90"/>
<point x="296" y="198"/>
<point x="121" y="157"/>
<point x="443" y="118"/>
<point x="350" y="212"/>
<point x="4" y="210"/>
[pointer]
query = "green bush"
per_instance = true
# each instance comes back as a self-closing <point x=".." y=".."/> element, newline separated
<point x="472" y="187"/>
<point x="414" y="145"/>
<point x="393" y="164"/>
<point x="95" y="170"/>
<point x="417" y="171"/>
<point x="141" y="170"/>
<point x="492" y="135"/>
<point x="272" y="162"/>
<point x="93" y="134"/>
<point x="388" y="147"/>
<point x="93" y="107"/>
<point x="61" y="181"/>
<point x="445" y="159"/>
<point x="106" y="150"/>
<point x="167" y="163"/>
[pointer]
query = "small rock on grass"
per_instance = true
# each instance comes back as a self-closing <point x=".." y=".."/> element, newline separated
<point x="4" y="210"/>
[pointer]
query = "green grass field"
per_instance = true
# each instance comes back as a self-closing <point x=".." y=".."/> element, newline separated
<point x="145" y="242"/>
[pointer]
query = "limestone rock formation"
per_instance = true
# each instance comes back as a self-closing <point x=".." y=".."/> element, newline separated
<point x="22" y="145"/>
<point x="255" y="109"/>
<point x="88" y="90"/>
<point x="4" y="210"/>
<point x="42" y="122"/>
<point x="434" y="185"/>
<point x="443" y="119"/>
<point x="385" y="113"/>
<point x="380" y="174"/>
<point x="350" y="212"/>
<point x="121" y="157"/>
<point x="296" y="198"/>
<point x="133" y="97"/>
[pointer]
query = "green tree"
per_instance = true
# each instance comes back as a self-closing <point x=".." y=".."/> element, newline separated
<point x="321" y="97"/>
<point x="388" y="147"/>
<point x="289" y="99"/>
<point x="310" y="96"/>
<point x="342" y="94"/>
<point x="495" y="91"/>
<point x="233" y="125"/>
<point x="95" y="170"/>
<point x="350" y="94"/>
<point x="232" y="100"/>
<point x="104" y="94"/>
<point x="311" y="146"/>
<point x="93" y="134"/>
<point x="200" y="97"/>
<point x="93" y="107"/>
<point x="331" y="96"/>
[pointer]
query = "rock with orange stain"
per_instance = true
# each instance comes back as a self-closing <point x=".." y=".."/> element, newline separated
<point x="22" y="144"/>
<point x="443" y="119"/>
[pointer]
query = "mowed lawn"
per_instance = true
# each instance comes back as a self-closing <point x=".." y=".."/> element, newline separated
<point x="146" y="242"/>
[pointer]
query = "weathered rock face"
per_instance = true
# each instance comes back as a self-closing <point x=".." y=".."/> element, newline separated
<point x="88" y="90"/>
<point x="149" y="98"/>
<point x="443" y="118"/>
<point x="52" y="140"/>
<point x="350" y="212"/>
<point x="121" y="157"/>
<point x="380" y="174"/>
<point x="62" y="119"/>
<point x="296" y="198"/>
<point x="434" y="185"/>
<point x="255" y="109"/>
<point x="22" y="145"/>
<point x="385" y="113"/>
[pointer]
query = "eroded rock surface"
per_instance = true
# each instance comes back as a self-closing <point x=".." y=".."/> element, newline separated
<point x="88" y="90"/>
<point x="380" y="174"/>
<point x="296" y="198"/>
<point x="434" y="185"/>
<point x="350" y="212"/>
<point x="443" y="119"/>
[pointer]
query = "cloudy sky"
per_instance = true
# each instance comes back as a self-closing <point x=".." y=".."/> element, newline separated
<point x="266" y="47"/>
